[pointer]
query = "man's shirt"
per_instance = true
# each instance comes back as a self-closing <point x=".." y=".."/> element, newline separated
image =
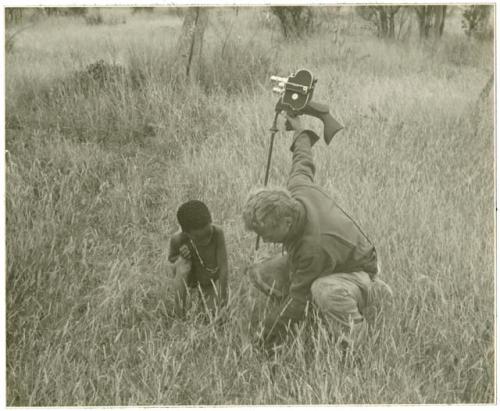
<point x="324" y="240"/>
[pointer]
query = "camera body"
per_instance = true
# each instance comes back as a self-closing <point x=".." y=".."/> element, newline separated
<point x="296" y="93"/>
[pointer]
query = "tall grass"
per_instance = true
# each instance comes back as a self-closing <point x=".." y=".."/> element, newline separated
<point x="96" y="172"/>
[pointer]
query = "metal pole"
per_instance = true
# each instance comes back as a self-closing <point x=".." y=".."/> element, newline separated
<point x="274" y="130"/>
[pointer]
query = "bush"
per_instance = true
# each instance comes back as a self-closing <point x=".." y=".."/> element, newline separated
<point x="13" y="15"/>
<point x="94" y="18"/>
<point x="296" y="21"/>
<point x="462" y="53"/>
<point x="475" y="22"/>
<point x="244" y="66"/>
<point x="10" y="40"/>
<point x="142" y="10"/>
<point x="98" y="75"/>
<point x="65" y="11"/>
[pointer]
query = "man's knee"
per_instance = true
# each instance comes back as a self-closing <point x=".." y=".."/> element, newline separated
<point x="270" y="276"/>
<point x="337" y="298"/>
<point x="325" y="291"/>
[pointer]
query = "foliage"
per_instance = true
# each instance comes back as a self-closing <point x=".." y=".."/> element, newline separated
<point x="66" y="11"/>
<point x="10" y="37"/>
<point x="94" y="17"/>
<point x="142" y="10"/>
<point x="475" y="21"/>
<point x="296" y="21"/>
<point x="96" y="76"/>
<point x="383" y="17"/>
<point x="246" y="65"/>
<point x="247" y="62"/>
<point x="13" y="15"/>
<point x="431" y="20"/>
<point x="17" y="16"/>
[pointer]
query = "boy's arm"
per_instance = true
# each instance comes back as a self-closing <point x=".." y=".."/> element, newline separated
<point x="175" y="245"/>
<point x="223" y="266"/>
<point x="303" y="168"/>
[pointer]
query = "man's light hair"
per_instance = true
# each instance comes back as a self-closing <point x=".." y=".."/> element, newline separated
<point x="268" y="207"/>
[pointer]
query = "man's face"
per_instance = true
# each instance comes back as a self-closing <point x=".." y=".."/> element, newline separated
<point x="275" y="232"/>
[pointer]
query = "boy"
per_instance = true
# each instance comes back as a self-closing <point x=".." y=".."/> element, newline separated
<point x="202" y="244"/>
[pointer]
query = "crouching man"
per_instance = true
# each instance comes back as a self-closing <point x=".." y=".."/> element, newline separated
<point x="328" y="260"/>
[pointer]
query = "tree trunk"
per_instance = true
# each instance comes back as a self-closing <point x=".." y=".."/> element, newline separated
<point x="382" y="22"/>
<point x="418" y="12"/>
<point x="439" y="16"/>
<point x="422" y="20"/>
<point x="390" y="34"/>
<point x="392" y="10"/>
<point x="190" y="42"/>
<point x="431" y="20"/>
<point x="428" y="21"/>
<point x="441" y="26"/>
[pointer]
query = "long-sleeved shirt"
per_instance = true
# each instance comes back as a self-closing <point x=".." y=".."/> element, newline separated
<point x="323" y="240"/>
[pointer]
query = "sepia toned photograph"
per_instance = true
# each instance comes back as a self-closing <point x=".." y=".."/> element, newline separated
<point x="252" y="205"/>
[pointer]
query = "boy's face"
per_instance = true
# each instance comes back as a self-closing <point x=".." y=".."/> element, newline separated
<point x="201" y="236"/>
<point x="275" y="232"/>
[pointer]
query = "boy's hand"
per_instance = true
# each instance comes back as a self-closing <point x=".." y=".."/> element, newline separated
<point x="184" y="252"/>
<point x="182" y="268"/>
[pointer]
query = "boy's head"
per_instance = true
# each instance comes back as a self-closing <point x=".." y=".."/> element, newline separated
<point x="195" y="220"/>
<point x="270" y="213"/>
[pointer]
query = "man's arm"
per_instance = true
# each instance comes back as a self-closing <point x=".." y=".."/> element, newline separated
<point x="303" y="168"/>
<point x="310" y="265"/>
<point x="223" y="266"/>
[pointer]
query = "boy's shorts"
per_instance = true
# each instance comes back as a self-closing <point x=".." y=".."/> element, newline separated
<point x="344" y="297"/>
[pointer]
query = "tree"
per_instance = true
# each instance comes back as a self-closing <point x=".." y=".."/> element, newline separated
<point x="296" y="21"/>
<point x="65" y="11"/>
<point x="14" y="25"/>
<point x="13" y="15"/>
<point x="382" y="17"/>
<point x="430" y="21"/>
<point x="475" y="20"/>
<point x="190" y="41"/>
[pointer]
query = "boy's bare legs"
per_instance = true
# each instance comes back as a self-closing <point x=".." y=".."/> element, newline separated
<point x="209" y="300"/>
<point x="182" y="267"/>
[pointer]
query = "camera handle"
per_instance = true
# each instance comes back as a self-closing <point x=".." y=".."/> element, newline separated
<point x="274" y="130"/>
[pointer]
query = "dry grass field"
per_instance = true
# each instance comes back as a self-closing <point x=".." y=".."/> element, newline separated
<point x="97" y="165"/>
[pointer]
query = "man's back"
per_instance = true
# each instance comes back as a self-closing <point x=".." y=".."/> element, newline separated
<point x="325" y="223"/>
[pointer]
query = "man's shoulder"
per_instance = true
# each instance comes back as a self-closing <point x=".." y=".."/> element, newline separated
<point x="308" y="192"/>
<point x="300" y="186"/>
